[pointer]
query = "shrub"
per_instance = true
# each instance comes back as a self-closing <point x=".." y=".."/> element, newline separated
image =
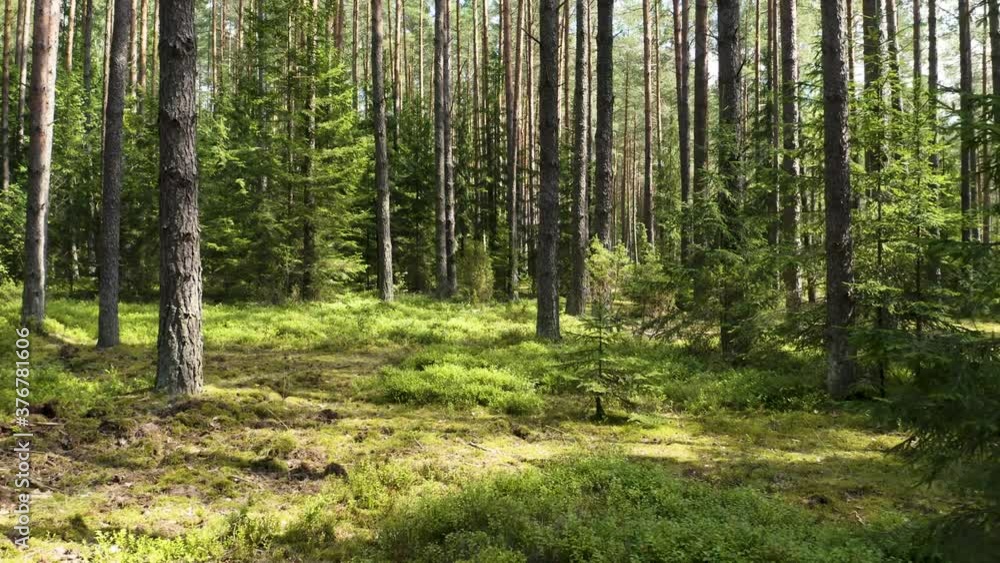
<point x="475" y="272"/>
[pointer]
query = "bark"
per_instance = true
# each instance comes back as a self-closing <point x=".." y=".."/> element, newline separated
<point x="442" y="149"/>
<point x="88" y="68"/>
<point x="893" y="52"/>
<point x="603" y="148"/>
<point x="134" y="40"/>
<point x="994" y="19"/>
<point x="307" y="286"/>
<point x="111" y="178"/>
<point x="576" y="300"/>
<point x="681" y="63"/>
<point x="354" y="56"/>
<point x="773" y="118"/>
<point x="790" y="163"/>
<point x="511" y="97"/>
<point x="179" y="343"/>
<point x="700" y="103"/>
<point x="871" y="26"/>
<point x="23" y="52"/>
<point x="384" y="242"/>
<point x="647" y="84"/>
<point x="44" y="55"/>
<point x="965" y="106"/>
<point x="841" y="372"/>
<point x="547" y="272"/>
<point x="70" y="34"/>
<point x="143" y="42"/>
<point x="5" y="99"/>
<point x="733" y="337"/>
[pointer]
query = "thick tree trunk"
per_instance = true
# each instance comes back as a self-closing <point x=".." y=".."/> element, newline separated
<point x="111" y="178"/>
<point x="790" y="197"/>
<point x="734" y="338"/>
<point x="841" y="374"/>
<point x="603" y="144"/>
<point x="385" y="286"/>
<point x="576" y="300"/>
<point x="647" y="85"/>
<point x="547" y="269"/>
<point x="681" y="64"/>
<point x="965" y="105"/>
<point x="179" y="343"/>
<point x="44" y="56"/>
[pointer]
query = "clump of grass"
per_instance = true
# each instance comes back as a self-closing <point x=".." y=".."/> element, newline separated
<point x="453" y="384"/>
<point x="613" y="509"/>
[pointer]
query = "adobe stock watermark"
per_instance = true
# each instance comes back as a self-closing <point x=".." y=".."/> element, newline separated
<point x="22" y="439"/>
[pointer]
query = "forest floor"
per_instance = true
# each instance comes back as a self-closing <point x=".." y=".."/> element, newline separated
<point x="427" y="431"/>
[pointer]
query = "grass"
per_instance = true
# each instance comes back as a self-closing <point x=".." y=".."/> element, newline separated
<point x="358" y="431"/>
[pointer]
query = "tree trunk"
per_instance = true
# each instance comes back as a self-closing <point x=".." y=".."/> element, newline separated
<point x="307" y="283"/>
<point x="603" y="147"/>
<point x="143" y="42"/>
<point x="790" y="163"/>
<point x="893" y="52"/>
<point x="773" y="118"/>
<point x="70" y="33"/>
<point x="134" y="40"/>
<point x="511" y="97"/>
<point x="442" y="149"/>
<point x="44" y="55"/>
<point x="647" y="84"/>
<point x="965" y="104"/>
<point x="576" y="300"/>
<point x="88" y="68"/>
<point x="994" y="17"/>
<point x="111" y="178"/>
<point x="5" y="99"/>
<point x="179" y="343"/>
<point x="385" y="286"/>
<point x="681" y="64"/>
<point x="700" y="106"/>
<point x="841" y="374"/>
<point x="547" y="269"/>
<point x="23" y="52"/>
<point x="733" y="337"/>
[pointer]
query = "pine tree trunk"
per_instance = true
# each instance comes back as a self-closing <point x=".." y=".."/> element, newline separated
<point x="893" y="52"/>
<point x="44" y="55"/>
<point x="994" y="19"/>
<point x="23" y="52"/>
<point x="790" y="197"/>
<point x="385" y="285"/>
<point x="5" y="98"/>
<point x="841" y="374"/>
<point x="547" y="272"/>
<point x="681" y="63"/>
<point x="143" y="42"/>
<point x="773" y="118"/>
<point x="603" y="147"/>
<point x="307" y="283"/>
<point x="966" y="117"/>
<point x="647" y="85"/>
<point x="700" y="107"/>
<point x="70" y="34"/>
<point x="511" y="97"/>
<point x="576" y="300"/>
<point x="88" y="63"/>
<point x="111" y="175"/>
<point x="134" y="41"/>
<point x="442" y="108"/>
<point x="734" y="338"/>
<point x="179" y="343"/>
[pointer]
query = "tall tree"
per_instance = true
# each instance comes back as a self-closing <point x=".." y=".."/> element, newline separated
<point x="700" y="102"/>
<point x="307" y="283"/>
<point x="790" y="162"/>
<point x="576" y="300"/>
<point x="994" y="17"/>
<point x="511" y="96"/>
<point x="23" y="43"/>
<point x="442" y="147"/>
<point x="837" y="181"/>
<point x="5" y="98"/>
<point x="111" y="178"/>
<point x="647" y="85"/>
<point x="44" y="55"/>
<point x="547" y="325"/>
<point x="70" y="34"/>
<point x="965" y="105"/>
<point x="603" y="147"/>
<point x="681" y="63"/>
<point x="734" y="340"/>
<point x="871" y="25"/>
<point x="385" y="286"/>
<point x="179" y="342"/>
